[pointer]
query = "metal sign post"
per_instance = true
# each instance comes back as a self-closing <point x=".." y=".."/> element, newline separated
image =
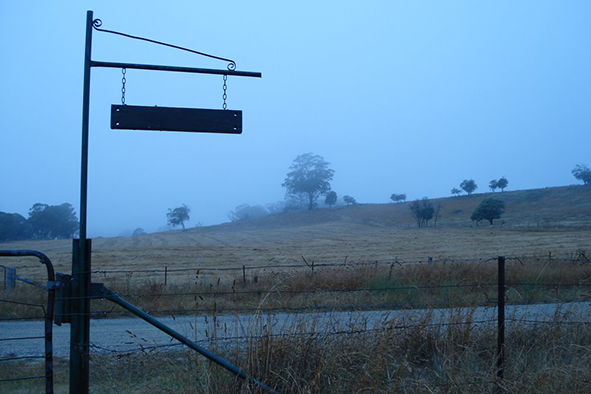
<point x="124" y="117"/>
<point x="80" y="326"/>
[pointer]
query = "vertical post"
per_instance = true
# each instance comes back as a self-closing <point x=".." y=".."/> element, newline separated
<point x="80" y="328"/>
<point x="501" y="319"/>
<point x="85" y="126"/>
<point x="49" y="336"/>
<point x="165" y="275"/>
<point x="244" y="274"/>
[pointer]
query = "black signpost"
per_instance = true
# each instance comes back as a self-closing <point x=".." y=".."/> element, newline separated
<point x="135" y="118"/>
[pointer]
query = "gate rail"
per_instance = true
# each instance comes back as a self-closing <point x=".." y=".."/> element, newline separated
<point x="51" y="289"/>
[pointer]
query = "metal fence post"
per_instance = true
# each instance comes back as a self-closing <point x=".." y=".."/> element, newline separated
<point x="80" y="326"/>
<point x="501" y="319"/>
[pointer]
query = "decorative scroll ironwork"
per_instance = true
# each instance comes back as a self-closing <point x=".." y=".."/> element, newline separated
<point x="97" y="23"/>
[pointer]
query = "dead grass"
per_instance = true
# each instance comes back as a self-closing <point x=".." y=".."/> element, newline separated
<point x="413" y="354"/>
<point x="547" y="229"/>
<point x="372" y="286"/>
<point x="368" y="287"/>
<point x="427" y="357"/>
<point x="540" y="222"/>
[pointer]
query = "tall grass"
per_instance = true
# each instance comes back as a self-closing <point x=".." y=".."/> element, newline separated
<point x="395" y="286"/>
<point x="426" y="354"/>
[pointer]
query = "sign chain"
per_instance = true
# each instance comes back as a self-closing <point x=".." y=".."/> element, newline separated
<point x="225" y="96"/>
<point x="123" y="80"/>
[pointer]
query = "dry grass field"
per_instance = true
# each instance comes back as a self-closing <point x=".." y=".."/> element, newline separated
<point x="538" y="222"/>
<point x="548" y="230"/>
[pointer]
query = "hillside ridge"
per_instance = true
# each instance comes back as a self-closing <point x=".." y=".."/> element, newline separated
<point x="551" y="206"/>
<point x="566" y="208"/>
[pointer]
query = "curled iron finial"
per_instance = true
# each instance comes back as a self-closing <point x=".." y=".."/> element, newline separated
<point x="97" y="23"/>
<point x="232" y="66"/>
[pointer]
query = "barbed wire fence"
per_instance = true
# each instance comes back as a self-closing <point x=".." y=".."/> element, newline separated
<point x="238" y="290"/>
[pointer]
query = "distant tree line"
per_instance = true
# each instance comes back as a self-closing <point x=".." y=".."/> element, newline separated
<point x="469" y="186"/>
<point x="310" y="176"/>
<point x="308" y="179"/>
<point x="500" y="183"/>
<point x="44" y="222"/>
<point x="245" y="211"/>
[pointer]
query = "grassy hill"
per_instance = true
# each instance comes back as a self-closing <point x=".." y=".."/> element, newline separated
<point x="267" y="270"/>
<point x="537" y="222"/>
<point x="549" y="207"/>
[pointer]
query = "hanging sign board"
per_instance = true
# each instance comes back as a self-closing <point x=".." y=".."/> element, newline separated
<point x="131" y="117"/>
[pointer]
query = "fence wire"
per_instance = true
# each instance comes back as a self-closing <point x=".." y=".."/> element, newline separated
<point x="13" y="340"/>
<point x="215" y="293"/>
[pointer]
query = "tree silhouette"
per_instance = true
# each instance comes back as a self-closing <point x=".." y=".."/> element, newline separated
<point x="53" y="221"/>
<point x="488" y="209"/>
<point x="494" y="184"/>
<point x="398" y="197"/>
<point x="468" y="185"/>
<point x="179" y="215"/>
<point x="422" y="211"/>
<point x="349" y="200"/>
<point x="502" y="183"/>
<point x="309" y="176"/>
<point x="582" y="173"/>
<point x="331" y="198"/>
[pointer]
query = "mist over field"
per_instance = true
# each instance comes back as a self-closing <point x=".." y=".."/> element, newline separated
<point x="399" y="97"/>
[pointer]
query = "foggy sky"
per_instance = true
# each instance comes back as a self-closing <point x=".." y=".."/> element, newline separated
<point x="399" y="96"/>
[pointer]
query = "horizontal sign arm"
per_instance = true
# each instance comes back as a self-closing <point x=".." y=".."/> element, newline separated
<point x="176" y="69"/>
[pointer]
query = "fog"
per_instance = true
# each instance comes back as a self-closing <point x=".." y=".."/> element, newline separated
<point x="399" y="96"/>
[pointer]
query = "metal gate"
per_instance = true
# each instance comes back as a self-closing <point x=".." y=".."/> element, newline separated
<point x="61" y="289"/>
<point x="10" y="279"/>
